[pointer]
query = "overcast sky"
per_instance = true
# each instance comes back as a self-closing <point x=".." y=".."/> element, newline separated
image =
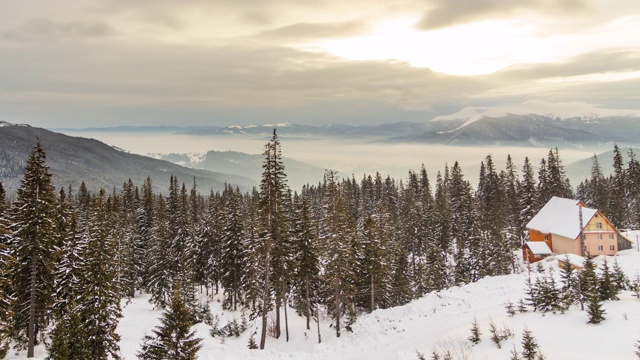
<point x="80" y="63"/>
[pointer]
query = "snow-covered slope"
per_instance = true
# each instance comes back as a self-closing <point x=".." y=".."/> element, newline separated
<point x="436" y="321"/>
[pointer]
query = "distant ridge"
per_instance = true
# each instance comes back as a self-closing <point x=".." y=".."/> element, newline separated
<point x="465" y="128"/>
<point x="74" y="159"/>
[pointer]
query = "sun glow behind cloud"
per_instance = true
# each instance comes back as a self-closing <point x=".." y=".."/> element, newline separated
<point x="477" y="48"/>
<point x="470" y="49"/>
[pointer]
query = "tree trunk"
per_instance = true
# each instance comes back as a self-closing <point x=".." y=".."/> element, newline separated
<point x="278" y="304"/>
<point x="286" y="319"/>
<point x="265" y="294"/>
<point x="337" y="310"/>
<point x="373" y="295"/>
<point x="32" y="310"/>
<point x="318" y="314"/>
<point x="308" y="304"/>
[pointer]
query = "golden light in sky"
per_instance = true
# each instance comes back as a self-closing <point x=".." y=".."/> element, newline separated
<point x="478" y="48"/>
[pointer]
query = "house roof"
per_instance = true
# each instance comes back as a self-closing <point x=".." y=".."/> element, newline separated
<point x="560" y="216"/>
<point x="538" y="247"/>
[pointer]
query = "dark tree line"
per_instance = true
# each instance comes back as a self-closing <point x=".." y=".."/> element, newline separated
<point x="616" y="195"/>
<point x="343" y="245"/>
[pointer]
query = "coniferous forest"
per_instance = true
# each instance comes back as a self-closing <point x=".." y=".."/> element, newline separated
<point x="344" y="246"/>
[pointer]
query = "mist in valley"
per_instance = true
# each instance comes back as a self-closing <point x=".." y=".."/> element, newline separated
<point x="350" y="157"/>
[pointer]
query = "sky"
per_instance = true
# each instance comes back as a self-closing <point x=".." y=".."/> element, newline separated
<point x="88" y="63"/>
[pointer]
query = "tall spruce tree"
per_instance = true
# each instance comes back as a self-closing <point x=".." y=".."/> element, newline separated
<point x="68" y="340"/>
<point x="307" y="257"/>
<point x="617" y="207"/>
<point x="34" y="238"/>
<point x="233" y="260"/>
<point x="160" y="274"/>
<point x="337" y="234"/>
<point x="273" y="232"/>
<point x="6" y="265"/>
<point x="99" y="301"/>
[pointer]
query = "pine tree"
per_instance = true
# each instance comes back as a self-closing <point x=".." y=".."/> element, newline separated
<point x="232" y="260"/>
<point x="307" y="257"/>
<point x="529" y="346"/>
<point x="463" y="222"/>
<point x="160" y="276"/>
<point x="6" y="264"/>
<point x="68" y="340"/>
<point x="594" y="309"/>
<point x="475" y="332"/>
<point x="599" y="191"/>
<point x="271" y="251"/>
<point x="632" y="184"/>
<point x="33" y="241"/>
<point x="99" y="300"/>
<point x="588" y="280"/>
<point x="337" y="234"/>
<point x="618" y="205"/>
<point x="607" y="286"/>
<point x="173" y="338"/>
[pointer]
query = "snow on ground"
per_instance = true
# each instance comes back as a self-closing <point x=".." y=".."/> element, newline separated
<point x="436" y="321"/>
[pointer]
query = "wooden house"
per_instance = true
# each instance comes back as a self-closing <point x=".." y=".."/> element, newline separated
<point x="533" y="251"/>
<point x="567" y="226"/>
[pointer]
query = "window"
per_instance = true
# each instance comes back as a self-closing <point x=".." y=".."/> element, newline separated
<point x="612" y="247"/>
<point x="599" y="225"/>
<point x="599" y="236"/>
<point x="546" y="237"/>
<point x="600" y="247"/>
<point x="611" y="236"/>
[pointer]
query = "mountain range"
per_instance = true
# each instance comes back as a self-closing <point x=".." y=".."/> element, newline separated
<point x="74" y="159"/>
<point x="470" y="130"/>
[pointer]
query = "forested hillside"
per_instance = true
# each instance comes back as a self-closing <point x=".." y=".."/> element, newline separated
<point x="345" y="246"/>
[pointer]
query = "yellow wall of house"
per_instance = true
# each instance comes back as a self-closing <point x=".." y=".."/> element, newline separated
<point x="563" y="245"/>
<point x="601" y="236"/>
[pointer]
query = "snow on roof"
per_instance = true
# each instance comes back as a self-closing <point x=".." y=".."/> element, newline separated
<point x="539" y="248"/>
<point x="561" y="217"/>
<point x="574" y="259"/>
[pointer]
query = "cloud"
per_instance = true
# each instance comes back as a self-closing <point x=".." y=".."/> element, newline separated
<point x="443" y="13"/>
<point x="313" y="31"/>
<point x="46" y="30"/>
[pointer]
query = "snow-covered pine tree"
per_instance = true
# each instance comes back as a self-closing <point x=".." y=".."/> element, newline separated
<point x="527" y="194"/>
<point x="6" y="265"/>
<point x="68" y="340"/>
<point x="495" y="254"/>
<point x="632" y="184"/>
<point x="233" y="260"/>
<point x="99" y="297"/>
<point x="271" y="251"/>
<point x="463" y="223"/>
<point x="619" y="277"/>
<point x="160" y="280"/>
<point x="33" y="242"/>
<point x="607" y="286"/>
<point x="145" y="221"/>
<point x="588" y="280"/>
<point x="515" y="229"/>
<point x="617" y="206"/>
<point x="530" y="350"/>
<point x="373" y="245"/>
<point x="337" y="234"/>
<point x="475" y="332"/>
<point x="597" y="195"/>
<point x="557" y="182"/>
<point x="307" y="262"/>
<point x="595" y="310"/>
<point x="173" y="338"/>
<point x="128" y="239"/>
